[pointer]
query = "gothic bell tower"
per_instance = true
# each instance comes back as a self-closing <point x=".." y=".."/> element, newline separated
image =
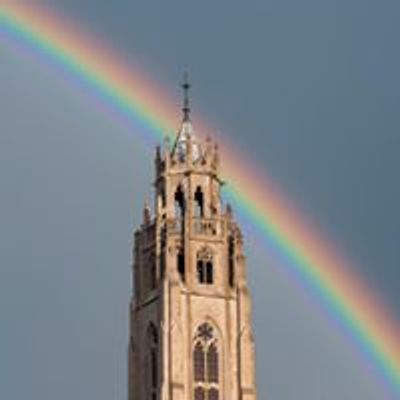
<point x="190" y="314"/>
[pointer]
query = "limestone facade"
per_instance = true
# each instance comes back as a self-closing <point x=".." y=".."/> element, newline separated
<point x="190" y="314"/>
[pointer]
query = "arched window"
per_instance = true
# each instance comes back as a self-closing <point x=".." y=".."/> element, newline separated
<point x="152" y="367"/>
<point x="209" y="273"/>
<point x="205" y="268"/>
<point x="206" y="366"/>
<point x="198" y="203"/>
<point x="212" y="363"/>
<point x="199" y="365"/>
<point x="179" y="203"/>
<point x="205" y="272"/>
<point x="201" y="272"/>
<point x="180" y="261"/>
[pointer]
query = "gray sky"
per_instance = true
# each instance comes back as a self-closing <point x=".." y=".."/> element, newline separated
<point x="309" y="88"/>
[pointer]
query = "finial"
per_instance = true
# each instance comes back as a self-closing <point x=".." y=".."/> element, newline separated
<point x="146" y="214"/>
<point x="186" y="106"/>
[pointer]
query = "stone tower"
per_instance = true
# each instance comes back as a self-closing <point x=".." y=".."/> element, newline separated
<point x="190" y="315"/>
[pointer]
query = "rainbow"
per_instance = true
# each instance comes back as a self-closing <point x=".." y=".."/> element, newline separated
<point x="132" y="96"/>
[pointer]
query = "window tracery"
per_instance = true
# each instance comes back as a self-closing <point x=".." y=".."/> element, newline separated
<point x="199" y="363"/>
<point x="206" y="366"/>
<point x="212" y="363"/>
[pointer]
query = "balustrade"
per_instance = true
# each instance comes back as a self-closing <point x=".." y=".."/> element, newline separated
<point x="207" y="226"/>
<point x="200" y="226"/>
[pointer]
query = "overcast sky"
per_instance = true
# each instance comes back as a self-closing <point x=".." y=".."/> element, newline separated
<point x="310" y="90"/>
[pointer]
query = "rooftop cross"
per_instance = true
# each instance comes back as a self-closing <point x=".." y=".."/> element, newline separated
<point x="186" y="106"/>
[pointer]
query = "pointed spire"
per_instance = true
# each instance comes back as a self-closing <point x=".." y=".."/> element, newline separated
<point x="186" y="147"/>
<point x="186" y="106"/>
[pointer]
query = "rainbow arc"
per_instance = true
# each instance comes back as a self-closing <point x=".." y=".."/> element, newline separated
<point x="126" y="90"/>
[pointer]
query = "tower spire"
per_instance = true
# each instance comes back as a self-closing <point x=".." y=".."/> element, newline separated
<point x="190" y="313"/>
<point x="186" y="106"/>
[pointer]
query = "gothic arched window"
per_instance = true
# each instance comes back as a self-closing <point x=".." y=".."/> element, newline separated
<point x="180" y="261"/>
<point x="206" y="366"/>
<point x="198" y="203"/>
<point x="200" y="271"/>
<point x="205" y="268"/>
<point x="179" y="203"/>
<point x="212" y="363"/>
<point x="209" y="272"/>
<point x="199" y="363"/>
<point x="205" y="272"/>
<point x="152" y="367"/>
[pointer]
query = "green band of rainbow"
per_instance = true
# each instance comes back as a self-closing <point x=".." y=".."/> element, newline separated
<point x="134" y="97"/>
